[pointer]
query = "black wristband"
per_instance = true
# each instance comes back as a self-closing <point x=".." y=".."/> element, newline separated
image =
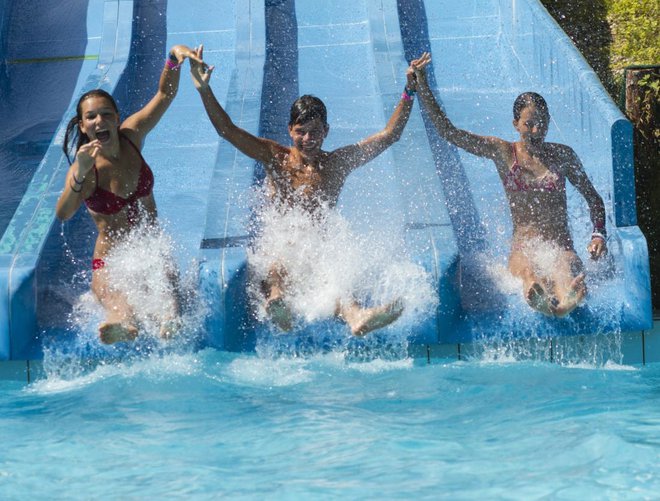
<point x="75" y="190"/>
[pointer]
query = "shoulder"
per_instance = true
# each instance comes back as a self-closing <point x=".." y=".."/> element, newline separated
<point x="563" y="155"/>
<point x="560" y="150"/>
<point x="280" y="156"/>
<point x="342" y="158"/>
<point x="132" y="135"/>
<point x="501" y="151"/>
<point x="499" y="145"/>
<point x="565" y="161"/>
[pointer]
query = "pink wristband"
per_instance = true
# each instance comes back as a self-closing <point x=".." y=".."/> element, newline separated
<point x="408" y="95"/>
<point x="172" y="65"/>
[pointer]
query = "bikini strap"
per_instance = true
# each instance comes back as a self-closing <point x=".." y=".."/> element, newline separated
<point x="515" y="155"/>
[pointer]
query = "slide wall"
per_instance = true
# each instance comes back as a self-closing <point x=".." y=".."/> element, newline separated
<point x="449" y="205"/>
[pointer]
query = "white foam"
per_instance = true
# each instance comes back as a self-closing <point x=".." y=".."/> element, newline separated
<point x="67" y="373"/>
<point x="326" y="261"/>
<point x="264" y="372"/>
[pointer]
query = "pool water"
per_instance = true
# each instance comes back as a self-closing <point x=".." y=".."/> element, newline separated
<point x="214" y="424"/>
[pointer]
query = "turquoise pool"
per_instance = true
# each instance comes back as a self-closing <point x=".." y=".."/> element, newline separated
<point x="212" y="424"/>
<point x="542" y="418"/>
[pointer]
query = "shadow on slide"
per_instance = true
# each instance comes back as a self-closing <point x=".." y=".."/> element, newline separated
<point x="353" y="55"/>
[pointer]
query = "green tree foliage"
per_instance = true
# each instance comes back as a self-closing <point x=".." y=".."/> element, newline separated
<point x="635" y="26"/>
<point x="611" y="34"/>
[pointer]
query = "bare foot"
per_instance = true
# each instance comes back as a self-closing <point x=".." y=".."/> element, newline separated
<point x="538" y="299"/>
<point x="576" y="293"/>
<point x="111" y="333"/>
<point x="170" y="328"/>
<point x="364" y="320"/>
<point x="279" y="313"/>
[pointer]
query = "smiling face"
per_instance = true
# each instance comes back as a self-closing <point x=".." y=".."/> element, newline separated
<point x="308" y="137"/>
<point x="99" y="119"/>
<point x="532" y="125"/>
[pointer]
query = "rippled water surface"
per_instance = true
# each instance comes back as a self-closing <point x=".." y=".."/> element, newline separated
<point x="214" y="424"/>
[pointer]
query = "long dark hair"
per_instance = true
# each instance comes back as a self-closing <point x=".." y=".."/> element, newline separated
<point x="527" y="98"/>
<point x="73" y="132"/>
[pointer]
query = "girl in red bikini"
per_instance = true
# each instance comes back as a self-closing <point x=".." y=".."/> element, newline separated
<point x="112" y="178"/>
<point x="534" y="175"/>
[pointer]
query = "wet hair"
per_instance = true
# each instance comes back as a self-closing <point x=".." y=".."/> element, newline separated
<point x="529" y="98"/>
<point x="73" y="132"/>
<point x="307" y="108"/>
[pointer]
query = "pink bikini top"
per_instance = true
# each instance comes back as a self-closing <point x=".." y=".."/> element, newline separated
<point x="106" y="202"/>
<point x="515" y="179"/>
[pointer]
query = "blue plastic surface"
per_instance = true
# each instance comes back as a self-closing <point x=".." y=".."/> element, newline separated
<point x="25" y="236"/>
<point x="352" y="54"/>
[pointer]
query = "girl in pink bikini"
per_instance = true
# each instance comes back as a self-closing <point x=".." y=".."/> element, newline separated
<point x="534" y="175"/>
<point x="114" y="181"/>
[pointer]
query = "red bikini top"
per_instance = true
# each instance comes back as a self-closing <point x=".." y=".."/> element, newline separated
<point x="106" y="202"/>
<point x="514" y="180"/>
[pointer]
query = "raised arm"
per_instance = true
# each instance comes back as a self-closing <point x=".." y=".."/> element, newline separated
<point x="578" y="177"/>
<point x="138" y="125"/>
<point x="483" y="146"/>
<point x="355" y="155"/>
<point x="262" y="150"/>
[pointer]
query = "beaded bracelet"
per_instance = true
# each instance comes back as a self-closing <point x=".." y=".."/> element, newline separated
<point x="597" y="234"/>
<point x="408" y="94"/>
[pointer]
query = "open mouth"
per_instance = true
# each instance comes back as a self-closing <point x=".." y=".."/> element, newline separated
<point x="103" y="135"/>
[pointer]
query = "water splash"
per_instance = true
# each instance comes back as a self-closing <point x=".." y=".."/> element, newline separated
<point x="142" y="268"/>
<point x="524" y="334"/>
<point x="328" y="263"/>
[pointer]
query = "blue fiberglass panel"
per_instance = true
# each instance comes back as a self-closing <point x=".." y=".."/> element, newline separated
<point x="23" y="249"/>
<point x="352" y="54"/>
<point x="351" y="57"/>
<point x="46" y="55"/>
<point x="181" y="150"/>
<point x="485" y="52"/>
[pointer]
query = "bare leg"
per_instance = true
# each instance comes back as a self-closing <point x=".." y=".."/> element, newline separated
<point x="276" y="307"/>
<point x="364" y="320"/>
<point x="535" y="294"/>
<point x="569" y="283"/>
<point x="119" y="324"/>
<point x="171" y="324"/>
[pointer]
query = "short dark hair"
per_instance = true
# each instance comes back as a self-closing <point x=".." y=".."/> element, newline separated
<point x="307" y="108"/>
<point x="526" y="99"/>
<point x="72" y="131"/>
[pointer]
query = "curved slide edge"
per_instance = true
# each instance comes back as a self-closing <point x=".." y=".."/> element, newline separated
<point x="24" y="238"/>
<point x="485" y="54"/>
<point x="355" y="33"/>
<point x="449" y="240"/>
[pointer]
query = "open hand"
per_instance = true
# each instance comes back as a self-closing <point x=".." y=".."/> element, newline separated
<point x="417" y="65"/>
<point x="199" y="70"/>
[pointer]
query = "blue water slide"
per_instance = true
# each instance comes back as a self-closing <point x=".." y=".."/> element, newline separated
<point x="450" y="204"/>
<point x="353" y="54"/>
<point x="49" y="56"/>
